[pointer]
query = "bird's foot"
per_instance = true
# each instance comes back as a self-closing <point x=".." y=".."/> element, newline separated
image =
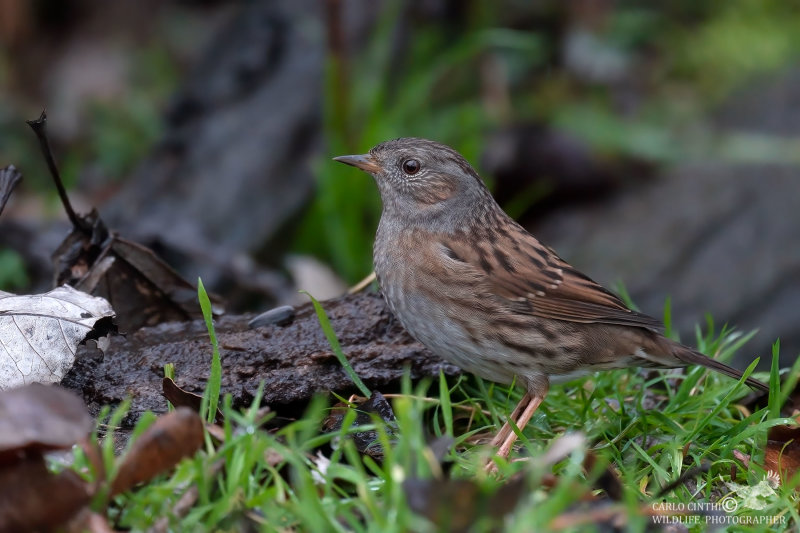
<point x="506" y="437"/>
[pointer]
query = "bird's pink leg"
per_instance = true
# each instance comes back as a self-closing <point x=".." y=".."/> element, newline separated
<point x="508" y="441"/>
<point x="502" y="435"/>
<point x="521" y="415"/>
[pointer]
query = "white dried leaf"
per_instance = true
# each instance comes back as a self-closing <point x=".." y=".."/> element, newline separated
<point x="322" y="463"/>
<point x="40" y="333"/>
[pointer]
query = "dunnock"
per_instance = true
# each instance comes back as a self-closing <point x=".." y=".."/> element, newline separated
<point x="478" y="290"/>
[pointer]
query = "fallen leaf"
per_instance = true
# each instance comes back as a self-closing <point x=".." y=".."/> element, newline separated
<point x="143" y="289"/>
<point x="216" y="431"/>
<point x="39" y="334"/>
<point x="782" y="454"/>
<point x="172" y="437"/>
<point x="756" y="497"/>
<point x="321" y="464"/>
<point x="40" y="418"/>
<point x="88" y="522"/>
<point x="273" y="457"/>
<point x="181" y="398"/>
<point x="456" y="504"/>
<point x="33" y="499"/>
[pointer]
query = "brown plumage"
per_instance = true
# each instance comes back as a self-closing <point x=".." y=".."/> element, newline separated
<point x="480" y="291"/>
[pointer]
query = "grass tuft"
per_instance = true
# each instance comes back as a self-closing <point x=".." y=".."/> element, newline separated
<point x="672" y="438"/>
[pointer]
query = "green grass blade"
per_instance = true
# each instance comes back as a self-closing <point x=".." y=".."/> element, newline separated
<point x="721" y="404"/>
<point x="211" y="395"/>
<point x="169" y="372"/>
<point x="325" y="324"/>
<point x="774" y="402"/>
<point x="790" y="381"/>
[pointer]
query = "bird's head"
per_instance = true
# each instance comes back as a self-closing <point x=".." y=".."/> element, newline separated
<point x="418" y="177"/>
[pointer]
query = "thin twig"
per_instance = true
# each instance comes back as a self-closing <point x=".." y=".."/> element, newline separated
<point x="39" y="127"/>
<point x="363" y="284"/>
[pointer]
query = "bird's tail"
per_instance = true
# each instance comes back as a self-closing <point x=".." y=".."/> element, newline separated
<point x="692" y="357"/>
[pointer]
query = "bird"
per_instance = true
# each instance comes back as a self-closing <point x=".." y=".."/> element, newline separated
<point x="477" y="289"/>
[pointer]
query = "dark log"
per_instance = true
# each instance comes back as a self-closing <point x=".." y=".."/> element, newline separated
<point x="295" y="361"/>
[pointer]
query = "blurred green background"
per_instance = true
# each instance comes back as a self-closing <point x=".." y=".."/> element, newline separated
<point x="623" y="90"/>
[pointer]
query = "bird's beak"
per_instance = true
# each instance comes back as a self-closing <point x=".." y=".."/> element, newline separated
<point x="365" y="162"/>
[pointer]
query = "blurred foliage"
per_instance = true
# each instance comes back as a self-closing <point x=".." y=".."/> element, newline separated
<point x="12" y="271"/>
<point x="117" y="132"/>
<point x="737" y="40"/>
<point x="429" y="91"/>
<point x="678" y="61"/>
<point x="120" y="135"/>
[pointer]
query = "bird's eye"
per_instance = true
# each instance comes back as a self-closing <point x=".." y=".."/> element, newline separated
<point x="411" y="166"/>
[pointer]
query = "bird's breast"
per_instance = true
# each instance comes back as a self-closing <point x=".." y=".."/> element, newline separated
<point x="434" y="304"/>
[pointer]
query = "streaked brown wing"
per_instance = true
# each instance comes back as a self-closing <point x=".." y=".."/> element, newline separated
<point x="532" y="279"/>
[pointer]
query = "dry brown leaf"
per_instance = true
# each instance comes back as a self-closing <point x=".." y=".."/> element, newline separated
<point x="33" y="499"/>
<point x="273" y="457"/>
<point x="456" y="504"/>
<point x="143" y="289"/>
<point x="782" y="454"/>
<point x="216" y="431"/>
<point x="172" y="437"/>
<point x="40" y="418"/>
<point x="181" y="398"/>
<point x="88" y="522"/>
